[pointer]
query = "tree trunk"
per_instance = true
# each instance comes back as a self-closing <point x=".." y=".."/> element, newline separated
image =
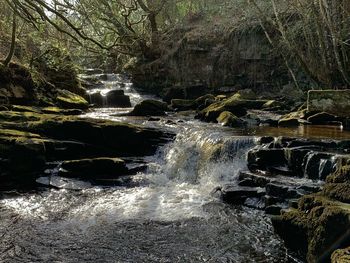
<point x="13" y="39"/>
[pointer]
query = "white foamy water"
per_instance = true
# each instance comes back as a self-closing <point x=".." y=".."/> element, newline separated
<point x="179" y="181"/>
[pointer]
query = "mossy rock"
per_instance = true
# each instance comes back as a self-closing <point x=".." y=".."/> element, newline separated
<point x="339" y="191"/>
<point x="272" y="104"/>
<point x="292" y="119"/>
<point x="59" y="111"/>
<point x="318" y="227"/>
<point x="13" y="116"/>
<point x="67" y="99"/>
<point x="150" y="108"/>
<point x="201" y="100"/>
<point x="228" y="119"/>
<point x="235" y="104"/>
<point x="341" y="256"/>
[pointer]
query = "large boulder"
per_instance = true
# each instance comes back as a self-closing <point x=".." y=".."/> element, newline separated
<point x="117" y="98"/>
<point x="335" y="102"/>
<point x="150" y="108"/>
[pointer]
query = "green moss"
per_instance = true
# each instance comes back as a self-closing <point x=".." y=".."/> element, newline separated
<point x="341" y="256"/>
<point x="339" y="191"/>
<point x="226" y="118"/>
<point x="67" y="99"/>
<point x="13" y="116"/>
<point x="341" y="175"/>
<point x="16" y="133"/>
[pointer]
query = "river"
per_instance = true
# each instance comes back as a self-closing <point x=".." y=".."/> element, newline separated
<point x="169" y="213"/>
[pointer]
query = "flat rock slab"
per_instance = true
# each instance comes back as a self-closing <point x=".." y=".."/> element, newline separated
<point x="336" y="102"/>
<point x="94" y="168"/>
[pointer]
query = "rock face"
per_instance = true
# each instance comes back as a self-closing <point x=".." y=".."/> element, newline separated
<point x="228" y="119"/>
<point x="336" y="102"/>
<point x="216" y="57"/>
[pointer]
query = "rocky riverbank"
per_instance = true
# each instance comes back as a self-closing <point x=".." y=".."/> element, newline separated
<point x="31" y="140"/>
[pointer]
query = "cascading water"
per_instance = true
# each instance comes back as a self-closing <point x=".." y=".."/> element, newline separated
<point x="169" y="217"/>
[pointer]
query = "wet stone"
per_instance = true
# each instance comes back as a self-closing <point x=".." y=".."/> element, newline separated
<point x="237" y="195"/>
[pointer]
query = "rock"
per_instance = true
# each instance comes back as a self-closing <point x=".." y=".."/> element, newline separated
<point x="337" y="191"/>
<point x="292" y="119"/>
<point x="116" y="98"/>
<point x="98" y="168"/>
<point x="282" y="191"/>
<point x="316" y="228"/>
<point x="318" y="165"/>
<point x="341" y="256"/>
<point x="263" y="159"/>
<point x="271" y="104"/>
<point x="254" y="180"/>
<point x="183" y="105"/>
<point x="247" y="94"/>
<point x="112" y="137"/>
<point x="21" y="108"/>
<point x="322" y="118"/>
<point x="201" y="100"/>
<point x="56" y="110"/>
<point x="335" y="102"/>
<point x="226" y="118"/>
<point x="150" y="108"/>
<point x="67" y="99"/>
<point x="273" y="210"/>
<point x="154" y="119"/>
<point x="174" y="93"/>
<point x="97" y="99"/>
<point x="288" y="122"/>
<point x="238" y="194"/>
<point x="22" y="158"/>
<point x="266" y="140"/>
<point x="320" y="224"/>
<point x="234" y="104"/>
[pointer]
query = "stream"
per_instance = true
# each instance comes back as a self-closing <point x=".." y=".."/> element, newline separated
<point x="169" y="213"/>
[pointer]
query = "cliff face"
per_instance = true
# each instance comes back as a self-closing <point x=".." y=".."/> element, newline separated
<point x="212" y="56"/>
